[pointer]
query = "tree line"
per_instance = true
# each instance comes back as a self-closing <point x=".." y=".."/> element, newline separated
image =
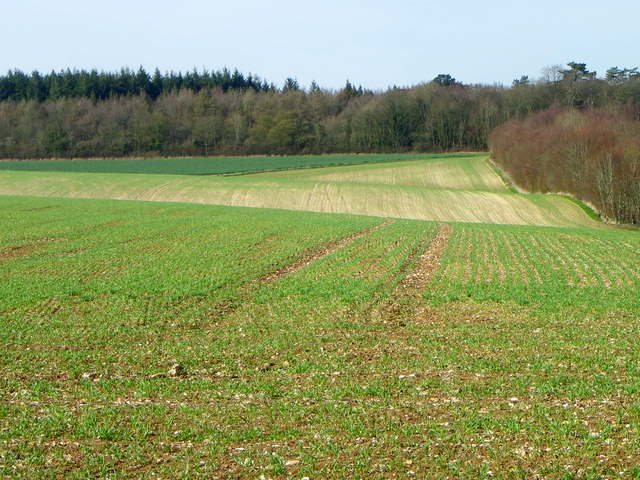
<point x="17" y="85"/>
<point x="210" y="113"/>
<point x="593" y="154"/>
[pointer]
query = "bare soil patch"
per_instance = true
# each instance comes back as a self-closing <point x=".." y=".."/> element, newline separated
<point x="409" y="291"/>
<point x="428" y="263"/>
<point x="16" y="252"/>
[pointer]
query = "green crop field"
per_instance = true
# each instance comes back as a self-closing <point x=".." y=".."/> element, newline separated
<point x="495" y="338"/>
<point x="205" y="166"/>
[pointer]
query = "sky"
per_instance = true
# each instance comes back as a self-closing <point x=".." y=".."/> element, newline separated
<point x="374" y="43"/>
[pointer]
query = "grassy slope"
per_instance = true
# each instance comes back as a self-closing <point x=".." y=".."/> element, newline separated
<point x="463" y="189"/>
<point x="449" y="172"/>
<point x="521" y="359"/>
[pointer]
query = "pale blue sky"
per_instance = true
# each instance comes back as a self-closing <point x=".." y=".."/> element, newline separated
<point x="376" y="43"/>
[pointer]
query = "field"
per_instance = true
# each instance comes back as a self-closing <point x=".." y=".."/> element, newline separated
<point x="458" y="189"/>
<point x="205" y="166"/>
<point x="319" y="345"/>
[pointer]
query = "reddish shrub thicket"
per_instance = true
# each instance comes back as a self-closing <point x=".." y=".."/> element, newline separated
<point x="591" y="154"/>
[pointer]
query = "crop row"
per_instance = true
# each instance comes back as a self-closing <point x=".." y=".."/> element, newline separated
<point x="488" y="261"/>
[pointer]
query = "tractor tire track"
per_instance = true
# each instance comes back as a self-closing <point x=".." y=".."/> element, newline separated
<point x="228" y="306"/>
<point x="317" y="254"/>
<point x="405" y="298"/>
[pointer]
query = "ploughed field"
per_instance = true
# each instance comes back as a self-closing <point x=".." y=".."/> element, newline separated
<point x="314" y="344"/>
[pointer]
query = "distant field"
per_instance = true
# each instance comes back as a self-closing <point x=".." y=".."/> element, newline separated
<point x="456" y="188"/>
<point x="313" y="345"/>
<point x="451" y="172"/>
<point x="207" y="166"/>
